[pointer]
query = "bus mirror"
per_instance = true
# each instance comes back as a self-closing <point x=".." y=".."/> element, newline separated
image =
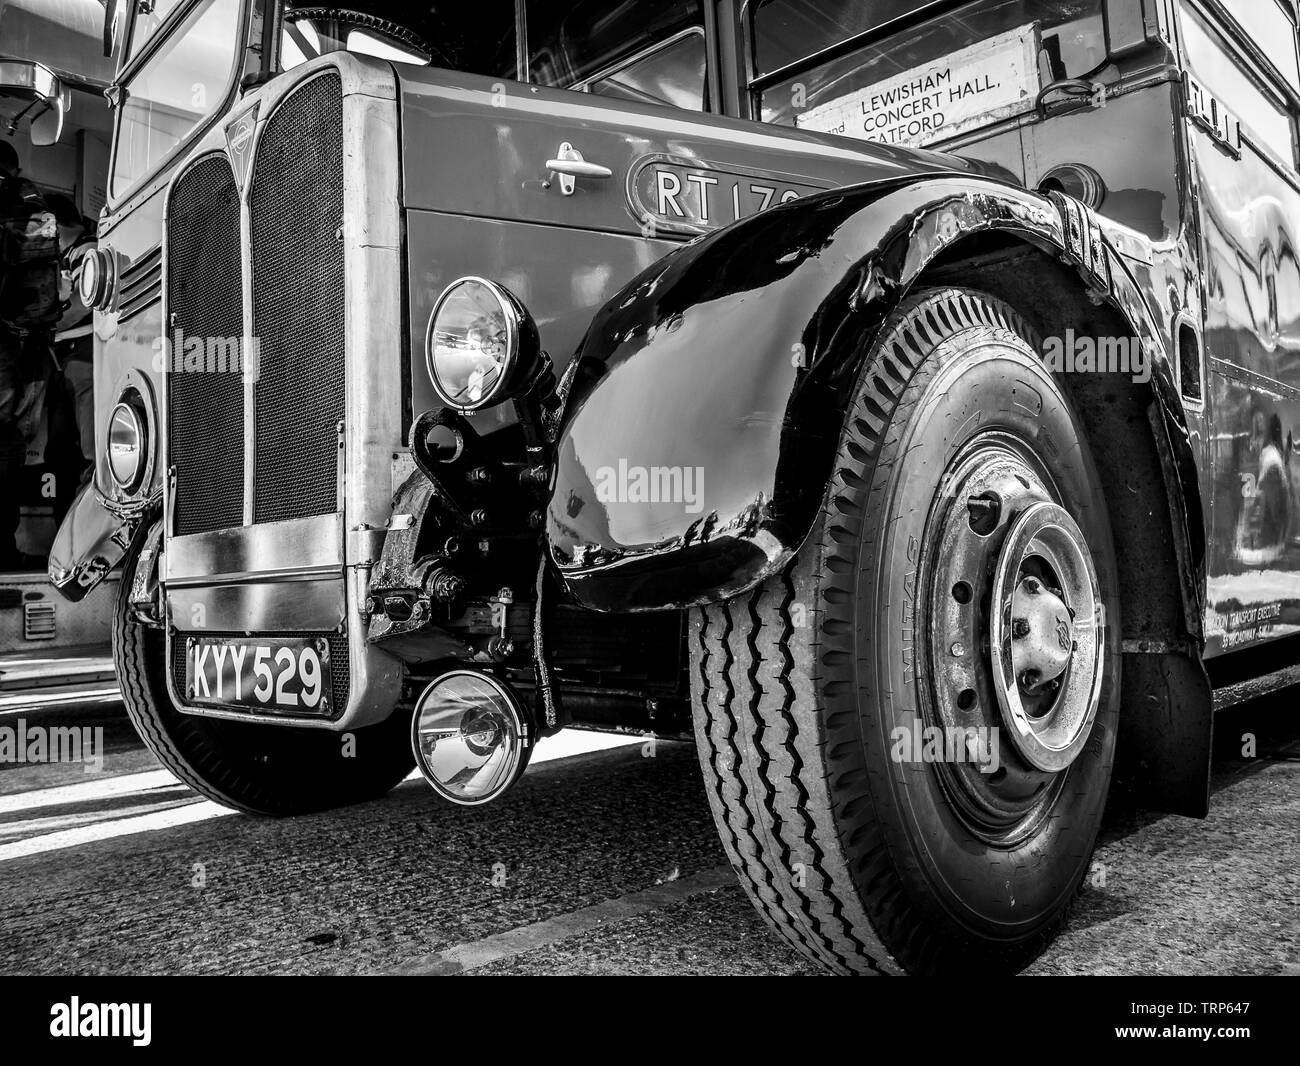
<point x="47" y="127"/>
<point x="114" y="17"/>
<point x="33" y="93"/>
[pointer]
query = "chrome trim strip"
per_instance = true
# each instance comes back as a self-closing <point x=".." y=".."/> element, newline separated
<point x="248" y="577"/>
<point x="129" y="311"/>
<point x="246" y="295"/>
<point x="296" y="545"/>
<point x="314" y="607"/>
<point x="1278" y="390"/>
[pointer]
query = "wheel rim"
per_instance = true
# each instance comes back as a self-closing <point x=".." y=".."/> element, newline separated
<point x="1013" y="640"/>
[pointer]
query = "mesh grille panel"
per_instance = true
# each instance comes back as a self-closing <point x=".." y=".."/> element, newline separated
<point x="341" y="678"/>
<point x="205" y="423"/>
<point x="297" y="209"/>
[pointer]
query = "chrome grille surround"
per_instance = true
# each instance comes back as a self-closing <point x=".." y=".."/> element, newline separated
<point x="258" y="577"/>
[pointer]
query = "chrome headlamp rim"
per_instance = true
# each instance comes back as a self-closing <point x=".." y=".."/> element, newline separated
<point x="139" y="427"/>
<point x="94" y="278"/>
<point x="514" y="318"/>
<point x="517" y="755"/>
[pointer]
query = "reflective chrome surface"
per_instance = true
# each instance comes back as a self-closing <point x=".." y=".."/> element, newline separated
<point x="292" y="577"/>
<point x="694" y="464"/>
<point x="1047" y="659"/>
<point x="470" y="736"/>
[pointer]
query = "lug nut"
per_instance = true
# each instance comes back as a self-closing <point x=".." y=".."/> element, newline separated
<point x="983" y="513"/>
<point x="1019" y="628"/>
<point x="446" y="586"/>
<point x="958" y="650"/>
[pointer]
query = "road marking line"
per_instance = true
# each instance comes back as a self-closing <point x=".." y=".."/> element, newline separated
<point x="551" y="750"/>
<point x="478" y="953"/>
<point x="199" y="811"/>
<point x="89" y="790"/>
<point x="13" y="704"/>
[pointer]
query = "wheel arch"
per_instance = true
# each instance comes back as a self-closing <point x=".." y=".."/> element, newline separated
<point x="751" y="339"/>
<point x="817" y="278"/>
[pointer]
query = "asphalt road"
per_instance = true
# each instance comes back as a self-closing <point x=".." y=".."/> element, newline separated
<point x="598" y="862"/>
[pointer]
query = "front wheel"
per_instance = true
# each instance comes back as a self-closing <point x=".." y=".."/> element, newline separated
<point x="254" y="767"/>
<point x="907" y="736"/>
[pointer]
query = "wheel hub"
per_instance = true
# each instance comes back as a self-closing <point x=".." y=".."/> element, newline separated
<point x="1043" y="641"/>
<point x="1014" y="637"/>
<point x="1042" y="634"/>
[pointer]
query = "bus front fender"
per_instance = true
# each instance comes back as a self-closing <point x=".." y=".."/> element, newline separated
<point x="708" y="395"/>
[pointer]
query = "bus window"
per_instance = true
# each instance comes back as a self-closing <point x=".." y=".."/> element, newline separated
<point x="651" y="51"/>
<point x="1262" y="117"/>
<point x="180" y="85"/>
<point x="148" y="17"/>
<point x="673" y="73"/>
<point x="646" y="50"/>
<point x="1271" y="25"/>
<point x="1043" y="41"/>
<point x="477" y="40"/>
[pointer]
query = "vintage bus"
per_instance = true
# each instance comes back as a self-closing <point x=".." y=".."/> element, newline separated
<point x="55" y="123"/>
<point x="898" y="397"/>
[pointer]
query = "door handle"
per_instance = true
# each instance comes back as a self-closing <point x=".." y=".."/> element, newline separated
<point x="569" y="165"/>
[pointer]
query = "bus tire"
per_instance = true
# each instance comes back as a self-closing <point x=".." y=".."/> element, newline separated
<point x="961" y="482"/>
<point x="253" y="767"/>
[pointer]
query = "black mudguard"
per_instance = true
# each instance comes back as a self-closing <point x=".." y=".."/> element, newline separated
<point x="709" y="393"/>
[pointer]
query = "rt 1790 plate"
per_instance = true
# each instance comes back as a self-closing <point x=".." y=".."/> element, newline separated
<point x="280" y="675"/>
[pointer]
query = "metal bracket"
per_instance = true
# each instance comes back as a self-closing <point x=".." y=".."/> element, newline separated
<point x="1208" y="112"/>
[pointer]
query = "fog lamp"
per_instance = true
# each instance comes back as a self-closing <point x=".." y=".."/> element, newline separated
<point x="471" y="737"/>
<point x="481" y="346"/>
<point x="94" y="278"/>
<point x="127" y="442"/>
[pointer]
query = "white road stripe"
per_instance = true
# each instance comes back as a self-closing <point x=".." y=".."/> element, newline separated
<point x="199" y="811"/>
<point x="13" y="705"/>
<point x="479" y="953"/>
<point x="88" y="791"/>
<point x="566" y="745"/>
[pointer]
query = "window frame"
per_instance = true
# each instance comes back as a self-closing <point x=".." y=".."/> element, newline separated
<point x="121" y="87"/>
<point x="707" y="93"/>
<point x="757" y="81"/>
<point x="1241" y="38"/>
<point x="1256" y="67"/>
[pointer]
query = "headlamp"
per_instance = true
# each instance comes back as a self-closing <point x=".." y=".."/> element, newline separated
<point x="481" y="346"/>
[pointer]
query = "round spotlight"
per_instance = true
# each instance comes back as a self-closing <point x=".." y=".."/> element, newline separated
<point x="94" y="278"/>
<point x="481" y="346"/>
<point x="471" y="737"/>
<point x="127" y="441"/>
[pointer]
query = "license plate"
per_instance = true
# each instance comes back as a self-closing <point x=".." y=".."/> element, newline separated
<point x="285" y="675"/>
